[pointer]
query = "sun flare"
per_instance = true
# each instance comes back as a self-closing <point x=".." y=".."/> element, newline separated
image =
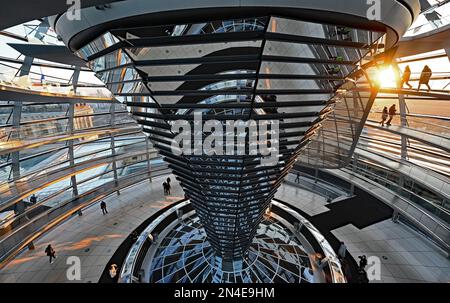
<point x="386" y="77"/>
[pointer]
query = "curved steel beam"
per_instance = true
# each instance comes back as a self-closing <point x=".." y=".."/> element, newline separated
<point x="397" y="15"/>
<point x="425" y="43"/>
<point x="427" y="138"/>
<point x="17" y="190"/>
<point x="50" y="219"/>
<point x="25" y="95"/>
<point x="21" y="145"/>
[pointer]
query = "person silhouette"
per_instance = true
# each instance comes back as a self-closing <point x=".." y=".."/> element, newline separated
<point x="406" y="77"/>
<point x="392" y="113"/>
<point x="50" y="252"/>
<point x="425" y="77"/>
<point x="384" y="116"/>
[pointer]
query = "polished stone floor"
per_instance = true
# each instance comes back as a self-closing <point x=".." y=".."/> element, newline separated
<point x="405" y="255"/>
<point x="93" y="237"/>
<point x="311" y="203"/>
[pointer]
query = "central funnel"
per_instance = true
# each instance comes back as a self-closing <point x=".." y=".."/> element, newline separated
<point x="260" y="92"/>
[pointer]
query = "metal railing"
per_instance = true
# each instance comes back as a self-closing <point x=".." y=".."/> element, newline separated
<point x="131" y="264"/>
<point x="428" y="206"/>
<point x="20" y="238"/>
<point x="337" y="273"/>
<point x="424" y="221"/>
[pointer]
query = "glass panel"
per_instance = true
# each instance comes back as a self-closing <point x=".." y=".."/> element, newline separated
<point x="218" y="26"/>
<point x="301" y="50"/>
<point x="433" y="17"/>
<point x="43" y="112"/>
<point x="97" y="45"/>
<point x="187" y="51"/>
<point x="119" y="75"/>
<point x="45" y="161"/>
<point x="323" y="31"/>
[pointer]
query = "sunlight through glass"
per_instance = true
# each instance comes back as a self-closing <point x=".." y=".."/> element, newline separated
<point x="387" y="77"/>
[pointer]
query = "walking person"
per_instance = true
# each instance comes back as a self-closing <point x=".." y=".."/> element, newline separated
<point x="113" y="271"/>
<point x="425" y="77"/>
<point x="362" y="274"/>
<point x="165" y="188"/>
<point x="168" y="186"/>
<point x="33" y="199"/>
<point x="384" y="116"/>
<point x="103" y="207"/>
<point x="297" y="180"/>
<point x="50" y="252"/>
<point x="362" y="262"/>
<point x="392" y="113"/>
<point x="406" y="77"/>
<point x="395" y="216"/>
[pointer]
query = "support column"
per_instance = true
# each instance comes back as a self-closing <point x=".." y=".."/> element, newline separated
<point x="149" y="164"/>
<point x="113" y="146"/>
<point x="354" y="169"/>
<point x="403" y="123"/>
<point x="70" y="131"/>
<point x="16" y="117"/>
<point x="404" y="139"/>
<point x="403" y="114"/>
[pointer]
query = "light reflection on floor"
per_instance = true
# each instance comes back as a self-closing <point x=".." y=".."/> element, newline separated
<point x="62" y="248"/>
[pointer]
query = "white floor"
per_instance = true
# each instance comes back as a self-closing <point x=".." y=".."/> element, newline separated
<point x="408" y="256"/>
<point x="405" y="255"/>
<point x="309" y="202"/>
<point x="93" y="238"/>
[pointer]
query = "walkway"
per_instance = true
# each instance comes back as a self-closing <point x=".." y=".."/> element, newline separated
<point x="428" y="138"/>
<point x="440" y="95"/>
<point x="93" y="237"/>
<point x="430" y="179"/>
<point x="26" y="95"/>
<point x="406" y="257"/>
